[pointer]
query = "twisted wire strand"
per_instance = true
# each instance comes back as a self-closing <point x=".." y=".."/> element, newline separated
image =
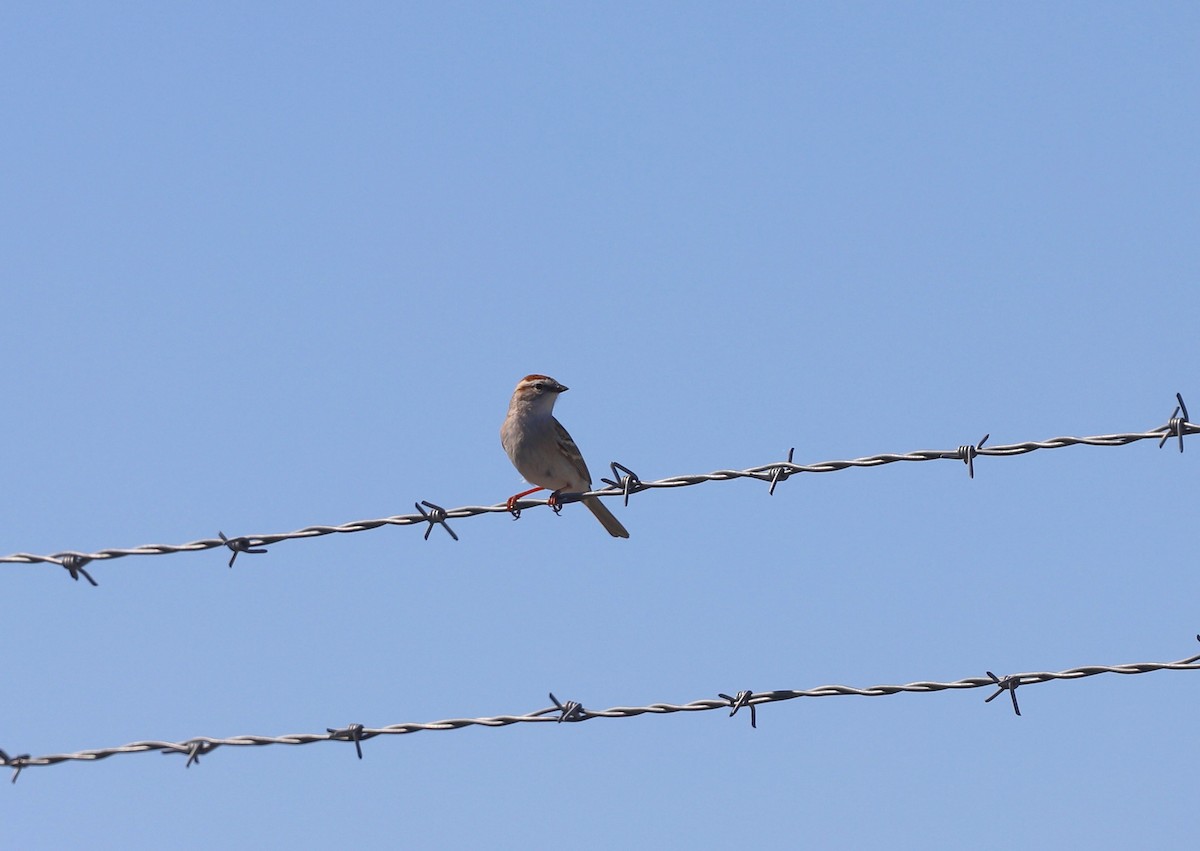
<point x="571" y="711"/>
<point x="621" y="485"/>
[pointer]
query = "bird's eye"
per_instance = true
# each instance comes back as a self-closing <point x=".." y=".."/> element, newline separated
<point x="540" y="386"/>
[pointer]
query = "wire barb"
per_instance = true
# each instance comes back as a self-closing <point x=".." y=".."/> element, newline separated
<point x="353" y="733"/>
<point x="435" y="517"/>
<point x="242" y="545"/>
<point x="15" y="762"/>
<point x="742" y="698"/>
<point x="781" y="473"/>
<point x="967" y="453"/>
<point x="194" y="748"/>
<point x="1176" y="425"/>
<point x="73" y="562"/>
<point x="1008" y="684"/>
<point x="569" y="711"/>
<point x="624" y="479"/>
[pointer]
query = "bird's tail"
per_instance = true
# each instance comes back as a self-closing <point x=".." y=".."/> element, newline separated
<point x="606" y="518"/>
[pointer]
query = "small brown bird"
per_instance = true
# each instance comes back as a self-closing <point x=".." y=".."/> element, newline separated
<point x="542" y="451"/>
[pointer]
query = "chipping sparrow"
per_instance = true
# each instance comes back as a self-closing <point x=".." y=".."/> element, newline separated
<point x="542" y="451"/>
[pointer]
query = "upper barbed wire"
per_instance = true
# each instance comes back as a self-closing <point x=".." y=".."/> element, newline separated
<point x="624" y="483"/>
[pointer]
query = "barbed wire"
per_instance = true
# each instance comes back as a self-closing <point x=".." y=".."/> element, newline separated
<point x="573" y="711"/>
<point x="624" y="483"/>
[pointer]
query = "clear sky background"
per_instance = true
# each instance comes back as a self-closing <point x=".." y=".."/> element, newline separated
<point x="271" y="265"/>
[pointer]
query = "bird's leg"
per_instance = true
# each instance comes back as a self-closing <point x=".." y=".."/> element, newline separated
<point x="512" y="501"/>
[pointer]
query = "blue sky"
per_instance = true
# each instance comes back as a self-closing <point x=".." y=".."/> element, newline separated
<point x="272" y="265"/>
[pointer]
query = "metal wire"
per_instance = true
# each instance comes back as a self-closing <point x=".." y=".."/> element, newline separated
<point x="571" y="711"/>
<point x="624" y="483"/>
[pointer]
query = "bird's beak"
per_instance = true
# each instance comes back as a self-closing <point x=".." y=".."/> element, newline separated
<point x="562" y="388"/>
